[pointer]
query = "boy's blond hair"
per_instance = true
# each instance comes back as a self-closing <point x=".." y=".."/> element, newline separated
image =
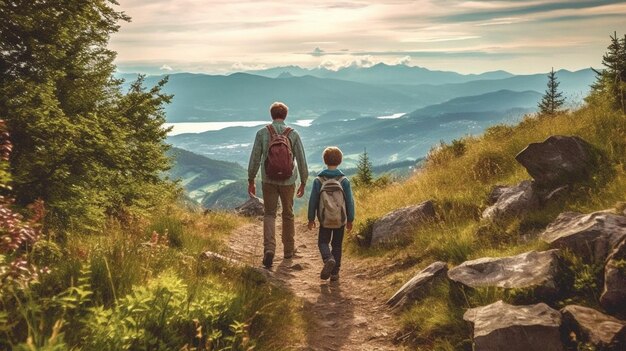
<point x="332" y="156"/>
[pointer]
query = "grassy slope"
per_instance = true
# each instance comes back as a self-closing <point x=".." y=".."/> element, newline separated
<point x="459" y="185"/>
<point x="119" y="262"/>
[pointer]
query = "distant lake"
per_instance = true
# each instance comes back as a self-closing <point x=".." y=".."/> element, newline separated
<point x="200" y="127"/>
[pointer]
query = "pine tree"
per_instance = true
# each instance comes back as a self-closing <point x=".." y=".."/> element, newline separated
<point x="364" y="176"/>
<point x="552" y="100"/>
<point x="82" y="145"/>
<point x="611" y="81"/>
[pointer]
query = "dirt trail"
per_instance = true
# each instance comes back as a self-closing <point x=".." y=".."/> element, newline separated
<point x="346" y="315"/>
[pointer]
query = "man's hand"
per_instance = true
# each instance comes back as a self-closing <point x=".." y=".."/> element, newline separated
<point x="311" y="225"/>
<point x="251" y="189"/>
<point x="349" y="226"/>
<point x="300" y="192"/>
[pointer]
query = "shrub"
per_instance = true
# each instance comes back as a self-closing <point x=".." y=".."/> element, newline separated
<point x="162" y="315"/>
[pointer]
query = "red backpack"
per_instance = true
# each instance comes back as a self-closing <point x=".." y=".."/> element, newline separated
<point x="279" y="161"/>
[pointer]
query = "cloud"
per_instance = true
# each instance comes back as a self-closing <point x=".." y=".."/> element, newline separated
<point x="239" y="66"/>
<point x="247" y="35"/>
<point x="166" y="68"/>
<point x="405" y="60"/>
<point x="317" y="52"/>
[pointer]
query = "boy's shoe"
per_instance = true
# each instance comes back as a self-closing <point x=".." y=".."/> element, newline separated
<point x="329" y="264"/>
<point x="268" y="259"/>
<point x="334" y="277"/>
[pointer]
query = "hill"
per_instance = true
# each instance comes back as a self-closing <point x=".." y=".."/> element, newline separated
<point x="199" y="174"/>
<point x="400" y="139"/>
<point x="459" y="178"/>
<point x="241" y="96"/>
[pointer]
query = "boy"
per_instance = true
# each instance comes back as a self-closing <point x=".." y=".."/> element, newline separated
<point x="331" y="199"/>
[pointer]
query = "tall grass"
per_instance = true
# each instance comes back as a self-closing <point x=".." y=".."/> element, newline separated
<point x="139" y="285"/>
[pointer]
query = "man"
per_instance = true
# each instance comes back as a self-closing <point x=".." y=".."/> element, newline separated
<point x="276" y="184"/>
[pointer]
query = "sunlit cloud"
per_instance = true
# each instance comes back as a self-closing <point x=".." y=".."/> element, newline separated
<point x="220" y="36"/>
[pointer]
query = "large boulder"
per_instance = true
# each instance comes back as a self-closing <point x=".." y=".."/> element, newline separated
<point x="591" y="236"/>
<point x="501" y="326"/>
<point x="530" y="270"/>
<point x="513" y="201"/>
<point x="397" y="224"/>
<point x="252" y="208"/>
<point x="595" y="328"/>
<point x="418" y="286"/>
<point x="613" y="298"/>
<point x="558" y="160"/>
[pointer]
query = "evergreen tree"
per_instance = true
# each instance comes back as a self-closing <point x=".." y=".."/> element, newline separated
<point x="364" y="174"/>
<point x="80" y="144"/>
<point x="552" y="100"/>
<point x="611" y="81"/>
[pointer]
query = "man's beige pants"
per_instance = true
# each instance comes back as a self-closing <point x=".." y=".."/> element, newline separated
<point x="271" y="194"/>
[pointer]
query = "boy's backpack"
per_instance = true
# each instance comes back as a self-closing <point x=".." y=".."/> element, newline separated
<point x="279" y="161"/>
<point x="332" y="206"/>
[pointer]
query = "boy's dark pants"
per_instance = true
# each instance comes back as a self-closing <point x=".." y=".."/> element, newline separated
<point x="335" y="238"/>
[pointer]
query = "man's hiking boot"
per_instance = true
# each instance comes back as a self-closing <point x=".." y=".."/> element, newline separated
<point x="329" y="264"/>
<point x="290" y="255"/>
<point x="268" y="259"/>
<point x="334" y="277"/>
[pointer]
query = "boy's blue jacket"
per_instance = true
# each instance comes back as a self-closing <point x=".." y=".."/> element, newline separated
<point x="315" y="193"/>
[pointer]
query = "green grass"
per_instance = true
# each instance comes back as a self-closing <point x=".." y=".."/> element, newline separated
<point x="458" y="177"/>
<point x="140" y="289"/>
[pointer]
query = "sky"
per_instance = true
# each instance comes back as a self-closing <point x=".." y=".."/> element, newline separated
<point x="222" y="36"/>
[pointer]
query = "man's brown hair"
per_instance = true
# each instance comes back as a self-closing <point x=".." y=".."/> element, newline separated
<point x="279" y="110"/>
<point x="332" y="156"/>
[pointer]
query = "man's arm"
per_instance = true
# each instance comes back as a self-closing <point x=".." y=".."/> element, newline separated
<point x="303" y="168"/>
<point x="254" y="163"/>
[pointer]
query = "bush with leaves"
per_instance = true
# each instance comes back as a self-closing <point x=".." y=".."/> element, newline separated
<point x="163" y="315"/>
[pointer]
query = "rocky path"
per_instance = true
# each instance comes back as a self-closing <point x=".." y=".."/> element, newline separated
<point x="345" y="315"/>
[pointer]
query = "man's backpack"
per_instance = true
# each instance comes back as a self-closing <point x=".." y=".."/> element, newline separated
<point x="332" y="206"/>
<point x="279" y="161"/>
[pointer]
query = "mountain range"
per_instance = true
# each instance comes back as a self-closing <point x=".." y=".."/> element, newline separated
<point x="375" y="91"/>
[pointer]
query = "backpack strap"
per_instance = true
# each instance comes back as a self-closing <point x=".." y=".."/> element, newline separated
<point x="287" y="131"/>
<point x="271" y="129"/>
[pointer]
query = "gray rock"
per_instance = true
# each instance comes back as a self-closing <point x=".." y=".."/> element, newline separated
<point x="593" y="327"/>
<point x="613" y="298"/>
<point x="495" y="193"/>
<point x="418" y="286"/>
<point x="536" y="270"/>
<point x="251" y="208"/>
<point x="397" y="224"/>
<point x="513" y="201"/>
<point x="559" y="160"/>
<point x="591" y="236"/>
<point x="501" y="326"/>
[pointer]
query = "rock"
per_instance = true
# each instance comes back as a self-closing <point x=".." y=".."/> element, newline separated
<point x="613" y="298"/>
<point x="297" y="267"/>
<point x="555" y="194"/>
<point x="593" y="327"/>
<point x="559" y="160"/>
<point x="251" y="208"/>
<point x="501" y="326"/>
<point x="418" y="285"/>
<point x="513" y="201"/>
<point x="536" y="270"/>
<point x="591" y="236"/>
<point x="495" y="193"/>
<point x="395" y="225"/>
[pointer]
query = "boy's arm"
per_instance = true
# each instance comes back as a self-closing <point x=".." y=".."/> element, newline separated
<point x="314" y="200"/>
<point x="347" y="190"/>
